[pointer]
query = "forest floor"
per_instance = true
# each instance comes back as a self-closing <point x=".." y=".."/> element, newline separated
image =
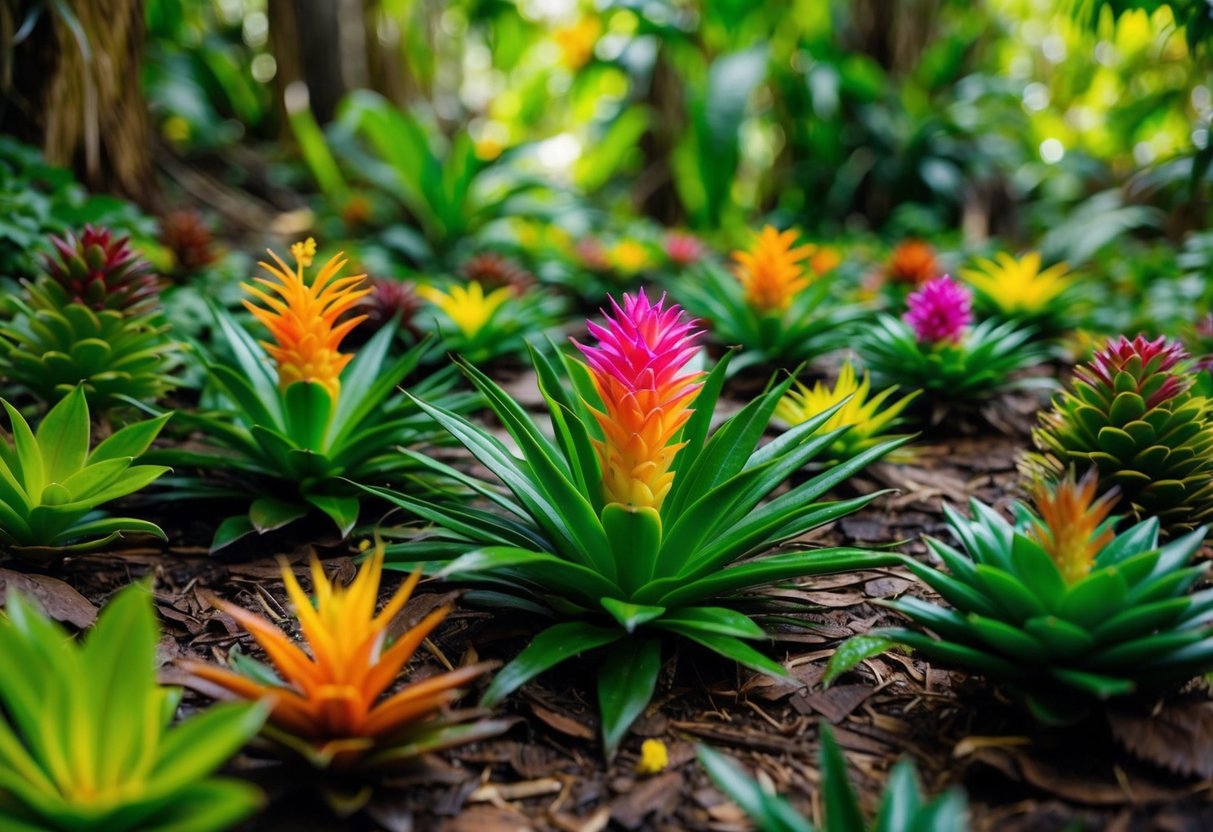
<point x="1139" y="766"/>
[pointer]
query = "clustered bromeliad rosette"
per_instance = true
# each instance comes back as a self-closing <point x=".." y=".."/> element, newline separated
<point x="638" y="519"/>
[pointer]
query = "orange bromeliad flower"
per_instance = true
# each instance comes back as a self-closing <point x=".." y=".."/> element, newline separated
<point x="913" y="262"/>
<point x="1070" y="519"/>
<point x="637" y="368"/>
<point x="303" y="319"/>
<point x="330" y="701"/>
<point x="772" y="272"/>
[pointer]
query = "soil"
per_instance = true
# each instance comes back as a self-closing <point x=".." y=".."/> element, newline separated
<point x="1140" y="766"/>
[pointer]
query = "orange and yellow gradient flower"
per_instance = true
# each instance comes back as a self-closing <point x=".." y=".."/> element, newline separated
<point x="1070" y="519"/>
<point x="303" y="319"/>
<point x="772" y="272"/>
<point x="331" y="700"/>
<point x="639" y="370"/>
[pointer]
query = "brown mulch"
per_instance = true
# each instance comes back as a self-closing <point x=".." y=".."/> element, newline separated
<point x="1145" y="765"/>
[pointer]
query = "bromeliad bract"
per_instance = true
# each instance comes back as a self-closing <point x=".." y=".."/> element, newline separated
<point x="293" y="419"/>
<point x="1059" y="607"/>
<point x="780" y="304"/>
<point x="480" y="326"/>
<point x="51" y="484"/>
<point x="869" y="417"/>
<point x="332" y="708"/>
<point x="1020" y="290"/>
<point x="631" y="523"/>
<point x="85" y="737"/>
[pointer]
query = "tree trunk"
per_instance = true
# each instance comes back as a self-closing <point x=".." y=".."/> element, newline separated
<point x="82" y="103"/>
<point x="306" y="40"/>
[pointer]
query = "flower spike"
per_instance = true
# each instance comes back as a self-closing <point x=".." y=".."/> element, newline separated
<point x="304" y="319"/>
<point x="331" y="699"/>
<point x="940" y="311"/>
<point x="772" y="271"/>
<point x="637" y="368"/>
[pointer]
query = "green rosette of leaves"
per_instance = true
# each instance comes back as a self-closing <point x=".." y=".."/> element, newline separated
<point x="1057" y="606"/>
<point x="52" y="486"/>
<point x="635" y="522"/>
<point x="86" y="742"/>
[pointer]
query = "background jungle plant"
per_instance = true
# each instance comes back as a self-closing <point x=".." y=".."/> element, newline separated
<point x="902" y="808"/>
<point x="86" y="731"/>
<point x="599" y="531"/>
<point x="1056" y="605"/>
<point x="52" y="485"/>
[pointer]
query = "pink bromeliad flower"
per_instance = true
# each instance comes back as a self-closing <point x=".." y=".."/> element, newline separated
<point x="684" y="249"/>
<point x="638" y="367"/>
<point x="940" y="311"/>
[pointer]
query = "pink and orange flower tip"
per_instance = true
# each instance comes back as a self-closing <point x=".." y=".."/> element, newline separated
<point x="304" y="319"/>
<point x="333" y="700"/>
<point x="772" y="272"/>
<point x="940" y="311"/>
<point x="638" y="370"/>
<point x="1070" y="517"/>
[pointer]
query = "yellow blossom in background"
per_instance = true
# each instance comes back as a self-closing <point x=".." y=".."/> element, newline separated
<point x="489" y="148"/>
<point x="1018" y="286"/>
<point x="654" y="758"/>
<point x="576" y="41"/>
<point x="468" y="307"/>
<point x="1070" y="517"/>
<point x="772" y="271"/>
<point x="865" y="416"/>
<point x="303" y="318"/>
<point x="629" y="257"/>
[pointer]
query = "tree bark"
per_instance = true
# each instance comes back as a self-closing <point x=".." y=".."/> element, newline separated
<point x="305" y="38"/>
<point x="82" y="103"/>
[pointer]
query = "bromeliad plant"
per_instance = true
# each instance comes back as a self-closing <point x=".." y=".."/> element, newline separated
<point x="1058" y="606"/>
<point x="86" y="738"/>
<point x="1019" y="290"/>
<point x="298" y="417"/>
<point x="901" y="810"/>
<point x="51" y="485"/>
<point x="332" y="708"/>
<point x="1132" y="413"/>
<point x="780" y="304"/>
<point x="480" y="326"/>
<point x="867" y="417"/>
<point x="92" y="319"/>
<point x="935" y="347"/>
<point x="634" y="523"/>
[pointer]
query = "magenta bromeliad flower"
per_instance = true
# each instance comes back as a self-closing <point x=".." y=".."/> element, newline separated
<point x="638" y="367"/>
<point x="1149" y="363"/>
<point x="940" y="311"/>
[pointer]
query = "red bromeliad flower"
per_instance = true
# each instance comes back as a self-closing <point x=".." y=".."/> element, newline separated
<point x="638" y="370"/>
<point x="1148" y="362"/>
<point x="684" y="249"/>
<point x="100" y="270"/>
<point x="940" y="311"/>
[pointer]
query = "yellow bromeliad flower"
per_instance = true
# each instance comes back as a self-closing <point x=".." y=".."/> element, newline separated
<point x="576" y="41"/>
<point x="772" y="272"/>
<point x="1070" y="517"/>
<point x="867" y="420"/>
<point x="628" y="257"/>
<point x="638" y="368"/>
<point x="1018" y="286"/>
<point x="468" y="307"/>
<point x="332" y="701"/>
<point x="303" y="318"/>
